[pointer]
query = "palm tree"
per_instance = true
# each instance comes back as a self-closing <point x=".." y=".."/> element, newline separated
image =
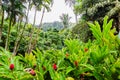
<point x="71" y="4"/>
<point x="2" y="22"/>
<point x="19" y="32"/>
<point x="65" y="20"/>
<point x="3" y="8"/>
<point x="31" y="33"/>
<point x="18" y="40"/>
<point x="36" y="4"/>
<point x="43" y="5"/>
<point x="14" y="9"/>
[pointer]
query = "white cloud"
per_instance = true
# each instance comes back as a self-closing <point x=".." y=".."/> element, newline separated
<point x="57" y="9"/>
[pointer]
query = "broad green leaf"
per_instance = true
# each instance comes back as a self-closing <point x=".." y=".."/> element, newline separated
<point x="69" y="69"/>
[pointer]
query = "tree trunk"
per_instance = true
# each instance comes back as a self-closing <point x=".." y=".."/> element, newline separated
<point x="17" y="43"/>
<point x="118" y="18"/>
<point x="17" y="39"/>
<point x="2" y="22"/>
<point x="8" y="35"/>
<point x="119" y="21"/>
<point x="42" y="18"/>
<point x="36" y="39"/>
<point x="76" y="18"/>
<point x="30" y="47"/>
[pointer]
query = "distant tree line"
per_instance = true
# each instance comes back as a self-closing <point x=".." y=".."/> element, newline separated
<point x="52" y="25"/>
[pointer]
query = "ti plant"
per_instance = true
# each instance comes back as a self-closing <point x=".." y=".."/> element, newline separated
<point x="11" y="68"/>
<point x="104" y="53"/>
<point x="104" y="35"/>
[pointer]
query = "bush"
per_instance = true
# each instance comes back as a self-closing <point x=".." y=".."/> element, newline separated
<point x="82" y="31"/>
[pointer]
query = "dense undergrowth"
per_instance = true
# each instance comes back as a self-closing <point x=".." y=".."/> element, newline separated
<point x="95" y="60"/>
<point x="49" y="39"/>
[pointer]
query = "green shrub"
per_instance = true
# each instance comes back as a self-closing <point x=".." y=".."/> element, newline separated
<point x="82" y="31"/>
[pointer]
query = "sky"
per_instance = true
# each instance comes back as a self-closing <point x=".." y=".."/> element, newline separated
<point x="58" y="8"/>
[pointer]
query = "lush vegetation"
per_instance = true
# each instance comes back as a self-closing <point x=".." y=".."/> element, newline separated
<point x="86" y="50"/>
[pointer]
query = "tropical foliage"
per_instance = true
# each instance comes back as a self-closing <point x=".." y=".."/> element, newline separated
<point x="98" y="59"/>
<point x="96" y="10"/>
<point x="86" y="50"/>
<point x="65" y="19"/>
